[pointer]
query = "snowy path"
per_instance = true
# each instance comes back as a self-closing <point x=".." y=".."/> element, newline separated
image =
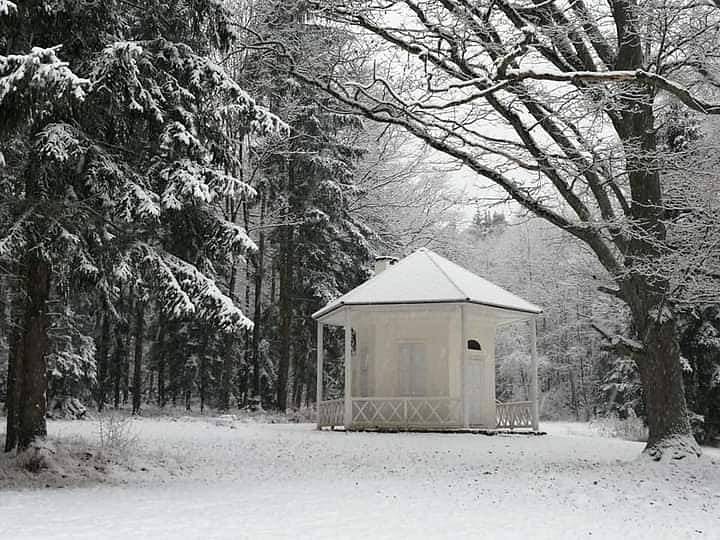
<point x="289" y="481"/>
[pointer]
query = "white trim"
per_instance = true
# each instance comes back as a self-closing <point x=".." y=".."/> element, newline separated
<point x="463" y="359"/>
<point x="319" y="375"/>
<point x="347" y="418"/>
<point x="534" y="394"/>
<point x="499" y="316"/>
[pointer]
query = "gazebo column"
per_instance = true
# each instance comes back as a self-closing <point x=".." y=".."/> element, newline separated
<point x="320" y="353"/>
<point x="463" y="382"/>
<point x="348" y="369"/>
<point x="534" y="395"/>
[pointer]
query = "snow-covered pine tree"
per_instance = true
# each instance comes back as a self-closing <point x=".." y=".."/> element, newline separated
<point x="111" y="157"/>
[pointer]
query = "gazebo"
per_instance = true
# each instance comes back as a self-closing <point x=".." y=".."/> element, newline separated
<point x="420" y="350"/>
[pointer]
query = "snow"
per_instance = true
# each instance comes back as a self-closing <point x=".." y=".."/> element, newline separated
<point x="425" y="276"/>
<point x="228" y="479"/>
<point x="7" y="7"/>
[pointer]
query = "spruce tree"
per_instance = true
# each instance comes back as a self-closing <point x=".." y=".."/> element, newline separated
<point x="120" y="136"/>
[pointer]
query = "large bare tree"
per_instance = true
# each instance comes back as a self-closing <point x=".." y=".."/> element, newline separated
<point x="560" y="103"/>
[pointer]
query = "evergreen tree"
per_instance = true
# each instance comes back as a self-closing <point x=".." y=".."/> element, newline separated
<point x="111" y="158"/>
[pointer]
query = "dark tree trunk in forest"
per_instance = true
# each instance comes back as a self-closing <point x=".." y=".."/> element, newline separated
<point x="128" y="338"/>
<point x="120" y="353"/>
<point x="299" y="370"/>
<point x="12" y="402"/>
<point x="285" y="314"/>
<point x="203" y="371"/>
<point x="245" y="373"/>
<point x="203" y="380"/>
<point x="285" y="290"/>
<point x="227" y="367"/>
<point x="11" y="398"/>
<point x="161" y="362"/>
<point x="102" y="358"/>
<point x="258" y="259"/>
<point x="137" y="366"/>
<point x="32" y="368"/>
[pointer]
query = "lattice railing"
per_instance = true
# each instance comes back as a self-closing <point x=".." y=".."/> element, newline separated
<point x="516" y="414"/>
<point x="406" y="412"/>
<point x="330" y="413"/>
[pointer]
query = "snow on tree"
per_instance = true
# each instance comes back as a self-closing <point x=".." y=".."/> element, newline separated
<point x="112" y="152"/>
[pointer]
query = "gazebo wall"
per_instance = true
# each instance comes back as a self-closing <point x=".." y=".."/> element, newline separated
<point x="406" y="367"/>
<point x="406" y="353"/>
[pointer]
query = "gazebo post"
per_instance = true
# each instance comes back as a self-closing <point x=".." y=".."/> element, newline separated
<point x="348" y="369"/>
<point x="534" y="375"/>
<point x="319" y="376"/>
<point x="463" y="354"/>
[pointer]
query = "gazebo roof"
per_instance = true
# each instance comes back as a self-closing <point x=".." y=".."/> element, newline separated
<point x="424" y="277"/>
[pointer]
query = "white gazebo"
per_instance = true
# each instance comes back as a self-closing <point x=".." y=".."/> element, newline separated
<point x="420" y="350"/>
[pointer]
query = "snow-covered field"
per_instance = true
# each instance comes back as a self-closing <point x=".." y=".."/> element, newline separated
<point x="198" y="479"/>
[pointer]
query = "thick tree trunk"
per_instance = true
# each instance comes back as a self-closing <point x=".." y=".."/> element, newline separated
<point x="137" y="367"/>
<point x="11" y="399"/>
<point x="660" y="370"/>
<point x="15" y="354"/>
<point x="32" y="370"/>
<point x="643" y="289"/>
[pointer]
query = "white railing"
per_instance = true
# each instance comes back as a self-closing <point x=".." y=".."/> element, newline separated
<point x="330" y="413"/>
<point x="406" y="412"/>
<point x="516" y="414"/>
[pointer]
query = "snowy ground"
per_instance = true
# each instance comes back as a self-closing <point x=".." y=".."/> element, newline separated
<point x="196" y="479"/>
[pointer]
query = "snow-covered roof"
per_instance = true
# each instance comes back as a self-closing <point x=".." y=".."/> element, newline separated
<point x="424" y="277"/>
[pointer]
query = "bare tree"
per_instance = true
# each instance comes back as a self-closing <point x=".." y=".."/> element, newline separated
<point x="559" y="104"/>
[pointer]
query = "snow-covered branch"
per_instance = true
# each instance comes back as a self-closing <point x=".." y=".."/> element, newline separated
<point x="638" y="75"/>
<point x="619" y="344"/>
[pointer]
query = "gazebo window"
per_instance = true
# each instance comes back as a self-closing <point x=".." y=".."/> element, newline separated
<point x="473" y="345"/>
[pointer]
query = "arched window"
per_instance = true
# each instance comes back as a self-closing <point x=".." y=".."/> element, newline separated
<point x="473" y="345"/>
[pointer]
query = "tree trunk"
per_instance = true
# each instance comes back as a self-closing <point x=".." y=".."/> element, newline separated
<point x="161" y="362"/>
<point x="127" y="338"/>
<point x="137" y="367"/>
<point x="227" y="367"/>
<point x="644" y="291"/>
<point x="12" y="401"/>
<point x="285" y="320"/>
<point x="102" y="358"/>
<point x="203" y="380"/>
<point x="120" y="353"/>
<point x="670" y="434"/>
<point x="32" y="369"/>
<point x="299" y="372"/>
<point x="259" y="260"/>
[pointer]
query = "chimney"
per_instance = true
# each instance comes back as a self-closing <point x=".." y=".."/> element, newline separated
<point x="382" y="263"/>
